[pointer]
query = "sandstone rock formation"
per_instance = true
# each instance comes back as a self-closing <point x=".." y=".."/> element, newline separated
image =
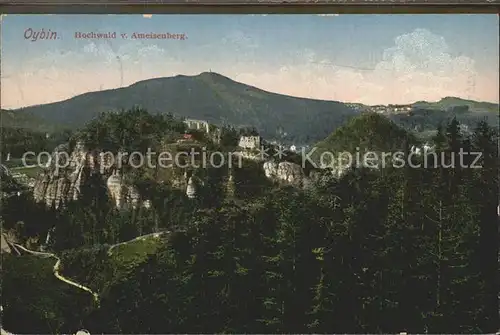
<point x="293" y="174"/>
<point x="124" y="195"/>
<point x="284" y="171"/>
<point x="8" y="242"/>
<point x="191" y="188"/>
<point x="66" y="173"/>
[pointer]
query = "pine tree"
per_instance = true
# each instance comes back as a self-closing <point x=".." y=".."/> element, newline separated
<point x="485" y="142"/>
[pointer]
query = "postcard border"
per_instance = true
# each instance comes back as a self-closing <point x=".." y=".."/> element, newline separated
<point x="248" y="6"/>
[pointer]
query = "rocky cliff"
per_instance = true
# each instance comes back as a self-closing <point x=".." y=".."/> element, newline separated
<point x="67" y="173"/>
<point x="71" y="170"/>
<point x="284" y="171"/>
<point x="293" y="174"/>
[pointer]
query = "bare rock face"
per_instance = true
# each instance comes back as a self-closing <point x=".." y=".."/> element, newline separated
<point x="67" y="173"/>
<point x="115" y="189"/>
<point x="8" y="243"/>
<point x="271" y="169"/>
<point x="191" y="188"/>
<point x="63" y="176"/>
<point x="124" y="196"/>
<point x="287" y="172"/>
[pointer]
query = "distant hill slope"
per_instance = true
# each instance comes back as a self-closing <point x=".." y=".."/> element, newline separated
<point x="27" y="120"/>
<point x="217" y="99"/>
<point x="426" y="116"/>
<point x="367" y="132"/>
<point x="450" y="102"/>
<point x="207" y="96"/>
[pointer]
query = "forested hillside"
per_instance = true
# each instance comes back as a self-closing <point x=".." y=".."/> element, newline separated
<point x="219" y="100"/>
<point x="374" y="251"/>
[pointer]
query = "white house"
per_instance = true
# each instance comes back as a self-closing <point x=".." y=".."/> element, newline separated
<point x="249" y="142"/>
<point x="426" y="148"/>
<point x="198" y="125"/>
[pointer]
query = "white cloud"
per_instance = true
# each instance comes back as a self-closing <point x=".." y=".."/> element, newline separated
<point x="149" y="51"/>
<point x="328" y="14"/>
<point x="101" y="51"/>
<point x="135" y="52"/>
<point x="419" y="66"/>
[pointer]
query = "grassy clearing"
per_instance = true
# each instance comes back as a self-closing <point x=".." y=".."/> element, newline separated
<point x="133" y="253"/>
<point x="125" y="258"/>
<point x="97" y="269"/>
<point x="31" y="172"/>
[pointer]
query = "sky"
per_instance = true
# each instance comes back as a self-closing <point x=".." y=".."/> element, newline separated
<point x="370" y="59"/>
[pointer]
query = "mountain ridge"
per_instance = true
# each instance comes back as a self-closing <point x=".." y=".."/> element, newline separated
<point x="220" y="100"/>
<point x="207" y="96"/>
<point x="218" y="75"/>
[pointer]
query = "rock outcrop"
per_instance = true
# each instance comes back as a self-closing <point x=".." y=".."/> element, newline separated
<point x="124" y="195"/>
<point x="293" y="174"/>
<point x="66" y="174"/>
<point x="287" y="172"/>
<point x="8" y="244"/>
<point x="191" y="188"/>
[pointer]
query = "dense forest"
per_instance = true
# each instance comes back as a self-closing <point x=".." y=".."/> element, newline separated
<point x="375" y="251"/>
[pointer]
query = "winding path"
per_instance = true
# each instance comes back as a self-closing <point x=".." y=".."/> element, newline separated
<point x="56" y="270"/>
<point x="142" y="237"/>
<point x="69" y="281"/>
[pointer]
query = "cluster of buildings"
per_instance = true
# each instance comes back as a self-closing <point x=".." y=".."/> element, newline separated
<point x="355" y="106"/>
<point x="391" y="109"/>
<point x="248" y="143"/>
<point x="292" y="148"/>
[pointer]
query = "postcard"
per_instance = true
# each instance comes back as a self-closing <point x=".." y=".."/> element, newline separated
<point x="249" y="173"/>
